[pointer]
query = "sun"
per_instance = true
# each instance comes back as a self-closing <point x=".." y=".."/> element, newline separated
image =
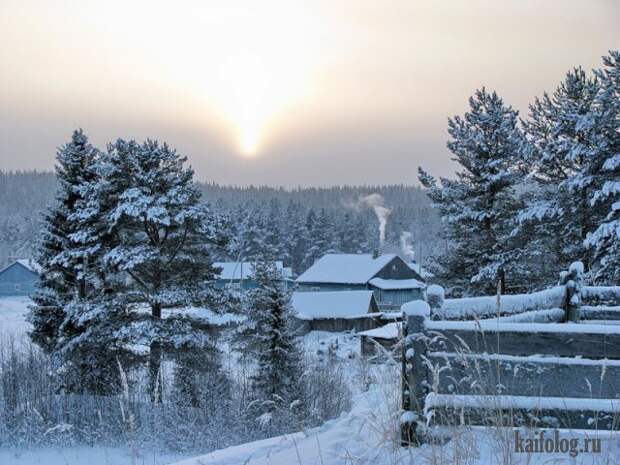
<point x="252" y="66"/>
<point x="248" y="101"/>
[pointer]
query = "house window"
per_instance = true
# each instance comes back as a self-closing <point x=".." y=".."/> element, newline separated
<point x="18" y="287"/>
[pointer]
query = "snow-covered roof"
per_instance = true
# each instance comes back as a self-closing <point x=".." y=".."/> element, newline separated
<point x="235" y="271"/>
<point x="345" y="268"/>
<point x="26" y="263"/>
<point x="389" y="331"/>
<point x="394" y="284"/>
<point x="342" y="304"/>
<point x="420" y="270"/>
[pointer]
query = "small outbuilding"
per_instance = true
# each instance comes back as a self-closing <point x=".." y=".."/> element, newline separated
<point x="386" y="336"/>
<point x="19" y="278"/>
<point x="337" y="311"/>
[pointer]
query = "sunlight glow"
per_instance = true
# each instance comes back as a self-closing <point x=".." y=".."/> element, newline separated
<point x="260" y="63"/>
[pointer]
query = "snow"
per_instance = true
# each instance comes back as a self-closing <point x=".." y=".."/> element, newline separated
<point x="345" y="346"/>
<point x="436" y="290"/>
<point x="80" y="455"/>
<point x="529" y="359"/>
<point x="576" y="268"/>
<point x="343" y="304"/>
<point x="522" y="402"/>
<point x="356" y="434"/>
<point x="551" y="315"/>
<point x="345" y="268"/>
<point x="204" y="314"/>
<point x="393" y="284"/>
<point x="600" y="293"/>
<point x="368" y="435"/>
<point x="26" y="263"/>
<point x="494" y="325"/>
<point x="416" y="308"/>
<point x="389" y="331"/>
<point x="235" y="271"/>
<point x="13" y="311"/>
<point x="480" y="307"/>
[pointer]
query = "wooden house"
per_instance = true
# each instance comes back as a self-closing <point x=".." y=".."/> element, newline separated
<point x="337" y="311"/>
<point x="240" y="275"/>
<point x="389" y="277"/>
<point x="19" y="278"/>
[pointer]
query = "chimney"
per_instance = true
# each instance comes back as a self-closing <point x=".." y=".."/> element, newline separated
<point x="375" y="253"/>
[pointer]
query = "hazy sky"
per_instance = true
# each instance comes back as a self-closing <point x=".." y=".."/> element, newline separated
<point x="281" y="92"/>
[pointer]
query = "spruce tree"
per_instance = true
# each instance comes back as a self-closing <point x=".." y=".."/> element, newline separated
<point x="64" y="261"/>
<point x="478" y="205"/>
<point x="605" y="240"/>
<point x="270" y="339"/>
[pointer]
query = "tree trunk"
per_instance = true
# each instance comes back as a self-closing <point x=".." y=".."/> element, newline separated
<point x="502" y="281"/>
<point x="155" y="387"/>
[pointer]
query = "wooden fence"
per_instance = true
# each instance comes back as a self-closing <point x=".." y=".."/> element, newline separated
<point x="541" y="367"/>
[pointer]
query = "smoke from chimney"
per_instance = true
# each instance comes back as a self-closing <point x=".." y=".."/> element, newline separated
<point x="376" y="202"/>
<point x="406" y="245"/>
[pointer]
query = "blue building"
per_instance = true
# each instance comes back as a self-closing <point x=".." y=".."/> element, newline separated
<point x="19" y="278"/>
<point x="240" y="275"/>
<point x="392" y="280"/>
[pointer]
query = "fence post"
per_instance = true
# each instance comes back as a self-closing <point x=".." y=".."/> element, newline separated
<point x="573" y="281"/>
<point x="414" y="375"/>
<point x="435" y="296"/>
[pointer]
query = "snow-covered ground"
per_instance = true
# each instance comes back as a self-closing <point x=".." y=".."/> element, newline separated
<point x="13" y="312"/>
<point x="84" y="456"/>
<point x="366" y="435"/>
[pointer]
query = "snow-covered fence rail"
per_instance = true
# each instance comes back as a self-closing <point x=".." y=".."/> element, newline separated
<point x="550" y="367"/>
<point x="470" y="308"/>
<point x="567" y="295"/>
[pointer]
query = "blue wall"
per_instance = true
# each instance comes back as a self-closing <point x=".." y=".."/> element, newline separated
<point x="17" y="280"/>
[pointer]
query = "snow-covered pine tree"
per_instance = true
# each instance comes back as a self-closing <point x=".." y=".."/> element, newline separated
<point x="252" y="235"/>
<point x="163" y="235"/>
<point x="478" y="205"/>
<point x="324" y="238"/>
<point x="270" y="341"/>
<point x="605" y="240"/>
<point x="297" y="240"/>
<point x="63" y="259"/>
<point x="273" y="246"/>
<point x="561" y="156"/>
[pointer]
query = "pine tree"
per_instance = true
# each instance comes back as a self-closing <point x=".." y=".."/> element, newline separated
<point x="562" y="161"/>
<point x="605" y="240"/>
<point x="477" y="207"/>
<point x="252" y="236"/>
<point x="323" y="236"/>
<point x="296" y="236"/>
<point x="161" y="248"/>
<point x="271" y="341"/>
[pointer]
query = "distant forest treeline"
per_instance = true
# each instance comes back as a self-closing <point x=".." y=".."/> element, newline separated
<point x="325" y="219"/>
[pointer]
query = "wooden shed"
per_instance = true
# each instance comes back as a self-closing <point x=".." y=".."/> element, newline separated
<point x="386" y="336"/>
<point x="337" y="311"/>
